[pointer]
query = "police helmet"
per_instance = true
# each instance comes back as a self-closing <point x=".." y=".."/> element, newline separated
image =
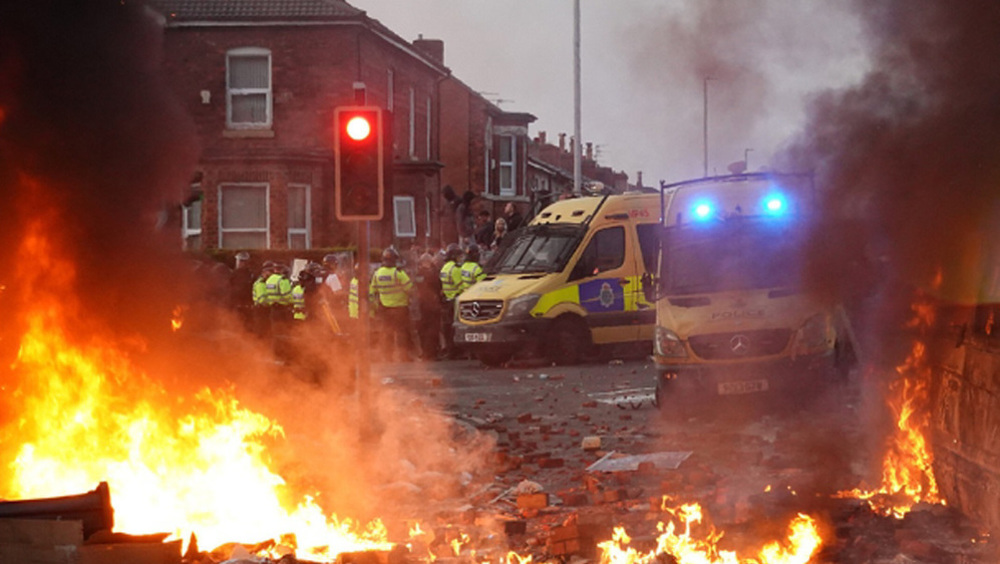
<point x="454" y="252"/>
<point x="472" y="253"/>
<point x="390" y="257"/>
<point x="330" y="260"/>
<point x="242" y="256"/>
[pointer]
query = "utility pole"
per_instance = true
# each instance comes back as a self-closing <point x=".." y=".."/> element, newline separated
<point x="704" y="125"/>
<point x="578" y="141"/>
<point x="746" y="160"/>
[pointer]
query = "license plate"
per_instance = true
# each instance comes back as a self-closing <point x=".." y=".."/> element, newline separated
<point x="477" y="337"/>
<point x="742" y="387"/>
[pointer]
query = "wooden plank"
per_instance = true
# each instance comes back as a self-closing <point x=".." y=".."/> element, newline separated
<point x="40" y="532"/>
<point x="131" y="553"/>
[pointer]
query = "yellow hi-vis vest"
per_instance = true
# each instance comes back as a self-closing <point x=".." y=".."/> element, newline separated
<point x="278" y="290"/>
<point x="299" y="302"/>
<point x="259" y="291"/>
<point x="353" y="300"/>
<point x="471" y="273"/>
<point x="391" y="286"/>
<point x="451" y="280"/>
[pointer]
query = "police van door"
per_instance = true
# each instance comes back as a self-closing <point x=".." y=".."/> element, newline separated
<point x="603" y="274"/>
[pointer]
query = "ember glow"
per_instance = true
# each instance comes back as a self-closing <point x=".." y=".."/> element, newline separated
<point x="688" y="541"/>
<point x="907" y="469"/>
<point x="175" y="464"/>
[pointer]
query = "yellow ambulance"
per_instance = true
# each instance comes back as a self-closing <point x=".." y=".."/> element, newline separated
<point x="568" y="284"/>
<point x="733" y="317"/>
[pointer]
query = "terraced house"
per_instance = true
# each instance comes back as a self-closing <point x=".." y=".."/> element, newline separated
<point x="261" y="80"/>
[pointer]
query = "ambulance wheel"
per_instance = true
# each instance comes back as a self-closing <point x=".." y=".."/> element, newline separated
<point x="494" y="357"/>
<point x="569" y="340"/>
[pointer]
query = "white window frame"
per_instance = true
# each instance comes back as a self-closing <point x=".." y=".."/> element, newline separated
<point x="307" y="230"/>
<point x="390" y="89"/>
<point x="413" y="124"/>
<point x="230" y="91"/>
<point x="397" y="212"/>
<point x="427" y="216"/>
<point x="187" y="230"/>
<point x="511" y="164"/>
<point x="267" y="212"/>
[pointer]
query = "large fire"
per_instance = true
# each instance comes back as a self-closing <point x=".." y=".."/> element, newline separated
<point x="907" y="469"/>
<point x="688" y="541"/>
<point x="175" y="464"/>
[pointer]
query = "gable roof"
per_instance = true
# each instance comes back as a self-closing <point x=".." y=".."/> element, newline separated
<point x="251" y="10"/>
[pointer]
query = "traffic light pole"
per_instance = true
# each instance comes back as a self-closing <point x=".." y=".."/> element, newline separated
<point x="362" y="351"/>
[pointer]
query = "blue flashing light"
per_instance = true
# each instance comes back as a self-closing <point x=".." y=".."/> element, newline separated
<point x="702" y="210"/>
<point x="775" y="204"/>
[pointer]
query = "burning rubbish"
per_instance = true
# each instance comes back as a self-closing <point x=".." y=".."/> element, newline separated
<point x="907" y="469"/>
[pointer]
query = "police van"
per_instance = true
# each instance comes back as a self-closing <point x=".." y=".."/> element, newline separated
<point x="568" y="284"/>
<point x="733" y="317"/>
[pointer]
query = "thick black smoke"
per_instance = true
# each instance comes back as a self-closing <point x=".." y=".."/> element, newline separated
<point x="912" y="153"/>
<point x="92" y="144"/>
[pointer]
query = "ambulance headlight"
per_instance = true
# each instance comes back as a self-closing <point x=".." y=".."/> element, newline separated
<point x="520" y="307"/>
<point x="668" y="344"/>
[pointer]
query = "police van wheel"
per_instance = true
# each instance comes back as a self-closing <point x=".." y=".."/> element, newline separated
<point x="569" y="340"/>
<point x="494" y="357"/>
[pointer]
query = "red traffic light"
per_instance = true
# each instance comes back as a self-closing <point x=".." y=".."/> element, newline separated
<point x="359" y="173"/>
<point x="358" y="128"/>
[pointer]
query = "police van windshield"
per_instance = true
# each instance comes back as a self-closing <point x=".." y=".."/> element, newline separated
<point x="537" y="248"/>
<point x="749" y="256"/>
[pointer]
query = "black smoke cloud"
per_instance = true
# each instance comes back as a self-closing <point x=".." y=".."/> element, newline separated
<point x="92" y="143"/>
<point x="912" y="150"/>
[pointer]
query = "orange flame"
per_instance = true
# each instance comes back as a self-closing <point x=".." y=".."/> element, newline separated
<point x="687" y="548"/>
<point x="907" y="469"/>
<point x="178" y="317"/>
<point x="175" y="464"/>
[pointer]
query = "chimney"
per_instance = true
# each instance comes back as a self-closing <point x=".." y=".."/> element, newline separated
<point x="433" y="48"/>
<point x="562" y="141"/>
<point x="541" y="137"/>
<point x="638" y="181"/>
<point x="590" y="151"/>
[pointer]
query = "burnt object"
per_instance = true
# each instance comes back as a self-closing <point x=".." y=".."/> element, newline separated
<point x="92" y="508"/>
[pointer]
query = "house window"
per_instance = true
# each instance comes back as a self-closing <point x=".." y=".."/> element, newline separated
<point x="191" y="225"/>
<point x="508" y="187"/>
<point x="413" y="124"/>
<point x="243" y="216"/>
<point x="406" y="220"/>
<point x="248" y="88"/>
<point x="298" y="216"/>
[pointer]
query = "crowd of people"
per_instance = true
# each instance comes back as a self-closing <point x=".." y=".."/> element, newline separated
<point x="411" y="300"/>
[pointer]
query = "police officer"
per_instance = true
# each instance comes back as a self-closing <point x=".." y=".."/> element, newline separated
<point x="428" y="288"/>
<point x="451" y="285"/>
<point x="261" y="313"/>
<point x="278" y="299"/>
<point x="471" y="271"/>
<point x="389" y="292"/>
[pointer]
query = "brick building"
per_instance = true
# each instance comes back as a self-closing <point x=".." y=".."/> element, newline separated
<point x="261" y="81"/>
<point x="484" y="148"/>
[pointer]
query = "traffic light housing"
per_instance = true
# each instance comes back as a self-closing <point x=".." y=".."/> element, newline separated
<point x="357" y="148"/>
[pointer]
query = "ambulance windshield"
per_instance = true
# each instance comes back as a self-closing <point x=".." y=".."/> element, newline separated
<point x="538" y="248"/>
<point x="750" y="256"/>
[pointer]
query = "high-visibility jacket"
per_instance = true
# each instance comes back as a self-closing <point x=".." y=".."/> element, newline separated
<point x="471" y="273"/>
<point x="391" y="286"/>
<point x="278" y="290"/>
<point x="298" y="300"/>
<point x="451" y="280"/>
<point x="353" y="300"/>
<point x="259" y="291"/>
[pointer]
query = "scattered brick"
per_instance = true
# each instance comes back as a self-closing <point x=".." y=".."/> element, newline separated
<point x="533" y="501"/>
<point x="591" y="443"/>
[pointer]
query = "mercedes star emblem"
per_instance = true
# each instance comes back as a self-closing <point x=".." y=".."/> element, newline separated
<point x="740" y="344"/>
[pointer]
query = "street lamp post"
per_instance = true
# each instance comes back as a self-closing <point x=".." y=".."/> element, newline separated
<point x="704" y="125"/>
<point x="746" y="161"/>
